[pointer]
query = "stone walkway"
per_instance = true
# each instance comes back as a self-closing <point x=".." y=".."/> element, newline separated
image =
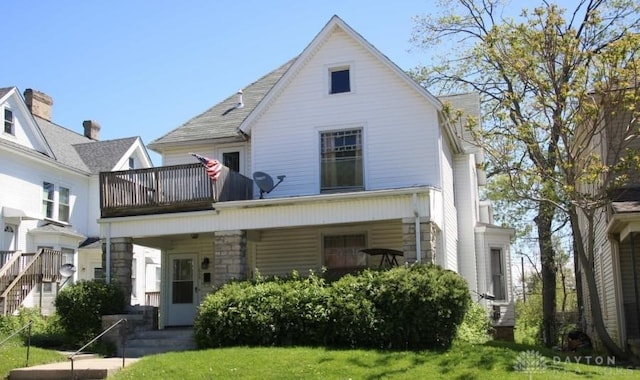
<point x="89" y="368"/>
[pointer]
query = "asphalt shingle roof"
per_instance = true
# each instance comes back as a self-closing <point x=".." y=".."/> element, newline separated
<point x="4" y="91"/>
<point x="102" y="156"/>
<point x="82" y="153"/>
<point x="223" y="119"/>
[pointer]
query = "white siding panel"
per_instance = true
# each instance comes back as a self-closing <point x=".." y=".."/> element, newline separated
<point x="282" y="250"/>
<point x="450" y="214"/>
<point x="399" y="126"/>
<point x="319" y="212"/>
<point x="279" y="251"/>
<point x="466" y="199"/>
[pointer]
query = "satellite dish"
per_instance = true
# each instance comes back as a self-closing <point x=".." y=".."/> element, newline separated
<point x="67" y="270"/>
<point x="265" y="182"/>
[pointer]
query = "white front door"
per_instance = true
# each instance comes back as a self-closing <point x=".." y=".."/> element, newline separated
<point x="183" y="299"/>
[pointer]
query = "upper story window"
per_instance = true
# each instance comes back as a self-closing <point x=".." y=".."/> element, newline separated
<point x="339" y="80"/>
<point x="132" y="163"/>
<point x="231" y="160"/>
<point x="48" y="193"/>
<point x="341" y="160"/>
<point x="50" y="200"/>
<point x="8" y="121"/>
<point x="498" y="274"/>
<point x="63" y="204"/>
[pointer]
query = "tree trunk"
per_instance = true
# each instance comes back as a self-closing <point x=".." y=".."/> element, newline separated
<point x="547" y="257"/>
<point x="592" y="288"/>
<point x="578" y="276"/>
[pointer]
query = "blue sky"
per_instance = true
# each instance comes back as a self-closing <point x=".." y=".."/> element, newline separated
<point x="142" y="68"/>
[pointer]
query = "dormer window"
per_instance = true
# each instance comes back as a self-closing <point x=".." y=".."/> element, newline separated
<point x="8" y="121"/>
<point x="340" y="80"/>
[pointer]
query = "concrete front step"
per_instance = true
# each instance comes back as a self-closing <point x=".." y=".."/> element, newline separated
<point x="90" y="368"/>
<point x="159" y="341"/>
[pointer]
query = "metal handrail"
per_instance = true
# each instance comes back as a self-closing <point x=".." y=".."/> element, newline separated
<point x="27" y="325"/>
<point x="71" y="356"/>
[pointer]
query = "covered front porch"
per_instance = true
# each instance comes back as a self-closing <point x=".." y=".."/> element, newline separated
<point x="201" y="250"/>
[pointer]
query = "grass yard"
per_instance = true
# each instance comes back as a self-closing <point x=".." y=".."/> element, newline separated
<point x="493" y="360"/>
<point x="13" y="354"/>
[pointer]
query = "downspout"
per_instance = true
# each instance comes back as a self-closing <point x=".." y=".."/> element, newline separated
<point x="416" y="214"/>
<point x="108" y="255"/>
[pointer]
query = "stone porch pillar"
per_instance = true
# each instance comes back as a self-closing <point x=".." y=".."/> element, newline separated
<point x="230" y="261"/>
<point x="121" y="261"/>
<point x="427" y="240"/>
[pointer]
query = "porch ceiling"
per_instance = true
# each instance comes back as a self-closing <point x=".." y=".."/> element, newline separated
<point x="279" y="212"/>
<point x="624" y="224"/>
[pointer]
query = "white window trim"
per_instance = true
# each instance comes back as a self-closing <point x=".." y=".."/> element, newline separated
<point x="56" y="201"/>
<point x="337" y="66"/>
<point x="503" y="260"/>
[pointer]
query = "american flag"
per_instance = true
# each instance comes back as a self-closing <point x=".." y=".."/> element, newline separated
<point x="214" y="167"/>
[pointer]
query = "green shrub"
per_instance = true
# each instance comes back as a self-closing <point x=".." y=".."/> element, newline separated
<point x="272" y="311"/>
<point x="80" y="308"/>
<point x="475" y="326"/>
<point x="409" y="307"/>
<point x="46" y="331"/>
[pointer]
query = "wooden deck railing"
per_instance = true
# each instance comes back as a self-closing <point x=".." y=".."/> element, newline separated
<point x="5" y="256"/>
<point x="152" y="299"/>
<point x="21" y="274"/>
<point x="168" y="189"/>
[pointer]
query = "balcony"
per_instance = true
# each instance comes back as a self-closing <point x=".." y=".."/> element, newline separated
<point x="168" y="189"/>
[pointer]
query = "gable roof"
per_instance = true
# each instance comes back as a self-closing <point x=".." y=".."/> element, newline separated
<point x="334" y="23"/>
<point x="40" y="141"/>
<point x="102" y="156"/>
<point x="223" y="119"/>
<point x="71" y="149"/>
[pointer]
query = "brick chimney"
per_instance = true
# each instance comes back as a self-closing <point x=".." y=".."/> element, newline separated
<point x="91" y="129"/>
<point x="39" y="103"/>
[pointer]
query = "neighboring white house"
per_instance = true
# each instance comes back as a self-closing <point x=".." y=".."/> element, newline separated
<point x="370" y="162"/>
<point x="49" y="196"/>
<point x="616" y="230"/>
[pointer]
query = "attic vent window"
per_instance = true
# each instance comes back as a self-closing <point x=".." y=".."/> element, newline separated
<point x="340" y="80"/>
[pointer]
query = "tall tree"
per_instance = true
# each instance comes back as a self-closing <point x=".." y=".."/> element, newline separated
<point x="538" y="75"/>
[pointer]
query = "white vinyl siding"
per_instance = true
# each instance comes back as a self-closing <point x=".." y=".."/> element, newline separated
<point x="279" y="251"/>
<point x="400" y="126"/>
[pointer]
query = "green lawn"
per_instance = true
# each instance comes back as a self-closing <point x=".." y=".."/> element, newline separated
<point x="13" y="354"/>
<point x="490" y="361"/>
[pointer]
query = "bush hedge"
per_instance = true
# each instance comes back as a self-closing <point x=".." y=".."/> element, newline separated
<point x="80" y="308"/>
<point x="411" y="307"/>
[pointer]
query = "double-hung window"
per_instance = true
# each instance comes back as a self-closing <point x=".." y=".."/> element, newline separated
<point x="341" y="160"/>
<point x="56" y="205"/>
<point x="63" y="204"/>
<point x="498" y="274"/>
<point x="8" y="121"/>
<point x="48" y="202"/>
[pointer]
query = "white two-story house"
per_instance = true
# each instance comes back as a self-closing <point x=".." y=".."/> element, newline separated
<point x="49" y="198"/>
<point x="370" y="163"/>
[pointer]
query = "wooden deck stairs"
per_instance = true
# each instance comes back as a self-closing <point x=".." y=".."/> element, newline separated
<point x="21" y="272"/>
